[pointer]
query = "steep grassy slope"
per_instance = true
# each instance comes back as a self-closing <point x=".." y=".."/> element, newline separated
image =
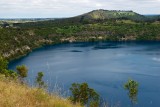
<point x="13" y="94"/>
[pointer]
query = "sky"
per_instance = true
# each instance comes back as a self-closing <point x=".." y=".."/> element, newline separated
<point x="70" y="8"/>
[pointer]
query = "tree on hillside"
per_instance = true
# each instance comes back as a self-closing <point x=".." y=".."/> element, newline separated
<point x="22" y="71"/>
<point x="132" y="87"/>
<point x="39" y="80"/>
<point x="4" y="69"/>
<point x="3" y="64"/>
<point x="81" y="93"/>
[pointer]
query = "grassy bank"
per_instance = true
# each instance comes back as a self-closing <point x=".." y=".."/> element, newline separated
<point x="14" y="94"/>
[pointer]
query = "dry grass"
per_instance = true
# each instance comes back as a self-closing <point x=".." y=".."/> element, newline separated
<point x="13" y="94"/>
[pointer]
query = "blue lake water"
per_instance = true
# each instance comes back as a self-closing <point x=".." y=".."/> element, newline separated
<point x="105" y="66"/>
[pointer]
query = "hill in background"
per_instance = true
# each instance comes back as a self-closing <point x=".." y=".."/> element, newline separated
<point x="92" y="17"/>
<point x="111" y="14"/>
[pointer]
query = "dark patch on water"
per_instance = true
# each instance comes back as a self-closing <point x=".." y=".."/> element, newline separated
<point x="75" y="51"/>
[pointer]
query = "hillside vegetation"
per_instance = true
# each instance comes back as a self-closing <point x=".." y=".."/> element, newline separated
<point x="106" y="14"/>
<point x="20" y="38"/>
<point x="15" y="42"/>
<point x="14" y="94"/>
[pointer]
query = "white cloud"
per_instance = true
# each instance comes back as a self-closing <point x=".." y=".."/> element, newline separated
<point x="67" y="8"/>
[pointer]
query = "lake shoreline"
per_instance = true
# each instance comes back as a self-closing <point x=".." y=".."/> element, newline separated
<point x="66" y="42"/>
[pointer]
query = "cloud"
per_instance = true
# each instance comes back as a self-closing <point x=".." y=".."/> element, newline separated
<point x="68" y="8"/>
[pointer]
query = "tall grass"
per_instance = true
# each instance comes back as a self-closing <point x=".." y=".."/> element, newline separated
<point x="14" y="94"/>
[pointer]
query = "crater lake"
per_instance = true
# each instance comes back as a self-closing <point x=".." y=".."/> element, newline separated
<point x="105" y="66"/>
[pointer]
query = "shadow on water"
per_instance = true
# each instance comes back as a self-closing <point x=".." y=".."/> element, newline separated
<point x="75" y="51"/>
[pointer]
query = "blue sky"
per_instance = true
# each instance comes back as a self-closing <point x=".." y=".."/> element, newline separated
<point x="69" y="8"/>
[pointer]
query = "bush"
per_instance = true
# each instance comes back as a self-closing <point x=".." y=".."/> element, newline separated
<point x="81" y="93"/>
<point x="22" y="71"/>
<point x="4" y="69"/>
<point x="10" y="73"/>
<point x="132" y="87"/>
<point x="3" y="64"/>
<point x="39" y="80"/>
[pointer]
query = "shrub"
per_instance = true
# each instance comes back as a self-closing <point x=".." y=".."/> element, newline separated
<point x="10" y="73"/>
<point x="4" y="69"/>
<point x="132" y="87"/>
<point x="81" y="93"/>
<point x="3" y="64"/>
<point x="39" y="80"/>
<point x="22" y="71"/>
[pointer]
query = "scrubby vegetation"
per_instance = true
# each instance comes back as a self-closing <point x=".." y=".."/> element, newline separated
<point x="22" y="71"/>
<point x="16" y="42"/>
<point x="39" y="80"/>
<point x="132" y="87"/>
<point x="14" y="94"/>
<point x="81" y="93"/>
<point x="4" y="69"/>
